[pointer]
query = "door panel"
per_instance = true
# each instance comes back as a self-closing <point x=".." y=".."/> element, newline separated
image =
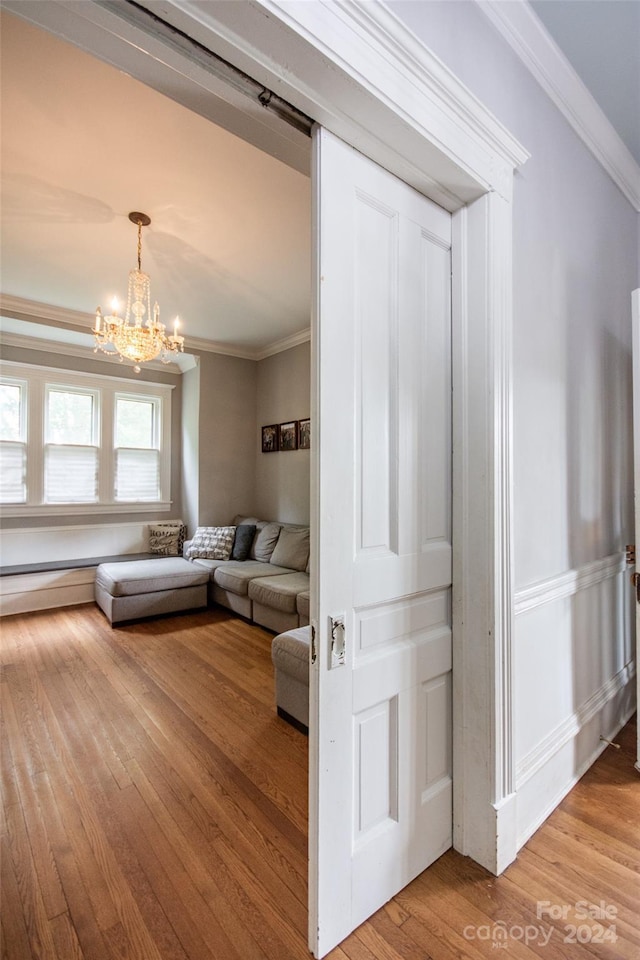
<point x="381" y="742"/>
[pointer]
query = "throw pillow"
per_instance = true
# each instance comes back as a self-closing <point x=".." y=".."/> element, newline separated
<point x="292" y="548"/>
<point x="167" y="537"/>
<point x="242" y="543"/>
<point x="212" y="543"/>
<point x="264" y="542"/>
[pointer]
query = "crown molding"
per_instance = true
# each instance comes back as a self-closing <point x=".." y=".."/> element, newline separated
<point x="527" y="36"/>
<point x="20" y="308"/>
<point x="32" y="311"/>
<point x="76" y="350"/>
<point x="279" y="346"/>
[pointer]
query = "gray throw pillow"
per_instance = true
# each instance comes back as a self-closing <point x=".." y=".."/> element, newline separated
<point x="242" y="543"/>
<point x="264" y="543"/>
<point x="292" y="548"/>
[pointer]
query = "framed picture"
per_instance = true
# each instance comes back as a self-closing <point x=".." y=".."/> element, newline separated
<point x="270" y="438"/>
<point x="304" y="434"/>
<point x="289" y="435"/>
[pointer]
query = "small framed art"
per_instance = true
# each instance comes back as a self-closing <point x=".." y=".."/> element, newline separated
<point x="304" y="434"/>
<point x="270" y="437"/>
<point x="289" y="435"/>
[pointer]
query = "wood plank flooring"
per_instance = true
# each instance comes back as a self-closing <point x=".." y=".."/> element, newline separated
<point x="155" y="808"/>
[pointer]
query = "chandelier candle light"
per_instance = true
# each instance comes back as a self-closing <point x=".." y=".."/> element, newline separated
<point x="137" y="339"/>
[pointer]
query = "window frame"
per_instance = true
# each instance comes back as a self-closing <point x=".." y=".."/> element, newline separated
<point x="36" y="382"/>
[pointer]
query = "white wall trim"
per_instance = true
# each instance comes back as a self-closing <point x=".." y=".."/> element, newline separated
<point x="569" y="583"/>
<point x="528" y="37"/>
<point x="483" y="680"/>
<point x="571" y="726"/>
<point x="303" y="336"/>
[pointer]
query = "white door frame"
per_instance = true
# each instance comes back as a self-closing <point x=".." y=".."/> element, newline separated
<point x="358" y="71"/>
<point x="635" y="336"/>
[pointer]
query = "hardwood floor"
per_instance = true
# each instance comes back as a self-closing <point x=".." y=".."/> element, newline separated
<point x="155" y="808"/>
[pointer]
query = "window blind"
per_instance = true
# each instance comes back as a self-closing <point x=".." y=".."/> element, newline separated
<point x="13" y="468"/>
<point x="71" y="473"/>
<point x="137" y="474"/>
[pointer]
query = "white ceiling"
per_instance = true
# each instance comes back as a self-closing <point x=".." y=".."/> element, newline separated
<point x="83" y="144"/>
<point x="229" y="244"/>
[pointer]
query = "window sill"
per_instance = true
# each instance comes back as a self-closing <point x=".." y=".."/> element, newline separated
<point x="81" y="509"/>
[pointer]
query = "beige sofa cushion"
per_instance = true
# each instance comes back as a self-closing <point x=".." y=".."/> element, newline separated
<point x="235" y="575"/>
<point x="292" y="548"/>
<point x="264" y="542"/>
<point x="128" y="578"/>
<point x="279" y="593"/>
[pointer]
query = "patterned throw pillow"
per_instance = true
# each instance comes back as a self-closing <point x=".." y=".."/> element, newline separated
<point x="212" y="543"/>
<point x="167" y="538"/>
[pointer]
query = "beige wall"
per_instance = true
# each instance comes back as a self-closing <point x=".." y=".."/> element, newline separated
<point x="226" y="438"/>
<point x="283" y="393"/>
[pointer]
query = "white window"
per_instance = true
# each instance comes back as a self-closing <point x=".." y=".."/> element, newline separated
<point x="137" y="447"/>
<point x="71" y="445"/>
<point x="74" y="443"/>
<point x="13" y="447"/>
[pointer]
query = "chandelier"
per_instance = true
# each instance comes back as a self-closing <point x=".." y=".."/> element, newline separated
<point x="138" y="336"/>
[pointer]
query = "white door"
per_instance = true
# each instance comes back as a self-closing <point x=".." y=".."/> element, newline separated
<point x="380" y="739"/>
<point x="635" y="330"/>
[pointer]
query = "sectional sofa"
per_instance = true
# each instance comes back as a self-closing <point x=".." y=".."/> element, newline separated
<point x="264" y="575"/>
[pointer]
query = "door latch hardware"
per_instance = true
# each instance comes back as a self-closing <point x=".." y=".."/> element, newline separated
<point x="631" y="553"/>
<point x="338" y="650"/>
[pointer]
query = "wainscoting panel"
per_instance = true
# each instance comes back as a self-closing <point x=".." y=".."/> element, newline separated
<point x="574" y="667"/>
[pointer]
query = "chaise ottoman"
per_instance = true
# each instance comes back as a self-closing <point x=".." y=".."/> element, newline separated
<point x="290" y="656"/>
<point x="130" y="589"/>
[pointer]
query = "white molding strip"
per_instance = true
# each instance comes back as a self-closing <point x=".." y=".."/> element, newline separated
<point x="34" y="312"/>
<point x="569" y="583"/>
<point x="572" y="725"/>
<point x="303" y="336"/>
<point x="527" y="36"/>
